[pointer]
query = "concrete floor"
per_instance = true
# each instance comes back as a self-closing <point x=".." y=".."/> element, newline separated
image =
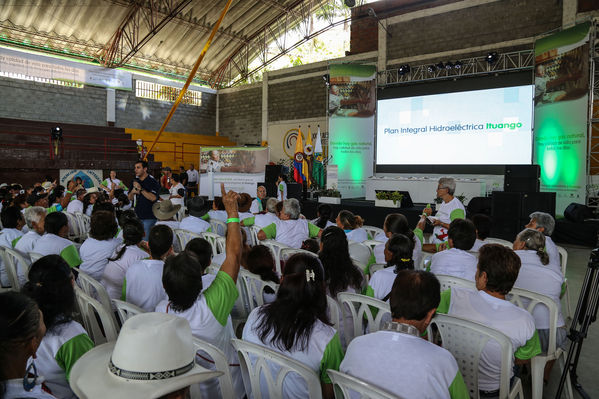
<point x="588" y="365"/>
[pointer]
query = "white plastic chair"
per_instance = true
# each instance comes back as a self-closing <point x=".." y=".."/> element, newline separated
<point x="185" y="236"/>
<point x="360" y="308"/>
<point x="466" y="340"/>
<point x="74" y="227"/>
<point x="254" y="288"/>
<point x="94" y="289"/>
<point x="256" y="361"/>
<point x="451" y="281"/>
<point x="84" y="225"/>
<point x="99" y="324"/>
<point x="563" y="256"/>
<point x="491" y="240"/>
<point x="216" y="356"/>
<point x="254" y="234"/>
<point x="346" y="387"/>
<point x="359" y="252"/>
<point x="373" y="231"/>
<point x="13" y="261"/>
<point x="287" y="253"/>
<point x="276" y="248"/>
<point x="529" y="300"/>
<point x="334" y="314"/>
<point x="372" y="243"/>
<point x="125" y="310"/>
<point x="219" y="227"/>
<point x="34" y="256"/>
<point x="212" y="238"/>
<point x="375" y="267"/>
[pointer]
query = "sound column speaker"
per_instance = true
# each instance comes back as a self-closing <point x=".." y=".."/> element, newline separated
<point x="294" y="190"/>
<point x="537" y="202"/>
<point x="505" y="212"/>
<point x="523" y="178"/>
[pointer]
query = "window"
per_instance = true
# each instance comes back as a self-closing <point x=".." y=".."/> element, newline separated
<point x="41" y="80"/>
<point x="156" y="91"/>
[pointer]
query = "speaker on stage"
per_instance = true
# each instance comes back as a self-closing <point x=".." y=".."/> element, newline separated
<point x="522" y="178"/>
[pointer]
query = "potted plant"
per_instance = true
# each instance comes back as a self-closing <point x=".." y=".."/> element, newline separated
<point x="329" y="196"/>
<point x="388" y="199"/>
<point x="461" y="198"/>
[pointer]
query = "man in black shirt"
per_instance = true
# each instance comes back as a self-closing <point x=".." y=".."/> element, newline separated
<point x="145" y="190"/>
<point x="183" y="176"/>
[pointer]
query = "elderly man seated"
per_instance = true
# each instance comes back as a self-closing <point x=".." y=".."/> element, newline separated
<point x="262" y="220"/>
<point x="396" y="358"/>
<point x="545" y="223"/>
<point x="290" y="229"/>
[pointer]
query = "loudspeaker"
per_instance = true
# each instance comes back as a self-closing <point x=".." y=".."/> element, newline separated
<point x="482" y="205"/>
<point x="577" y="213"/>
<point x="272" y="172"/>
<point x="537" y="202"/>
<point x="528" y="171"/>
<point x="511" y="211"/>
<point x="294" y="190"/>
<point x="406" y="201"/>
<point x="522" y="178"/>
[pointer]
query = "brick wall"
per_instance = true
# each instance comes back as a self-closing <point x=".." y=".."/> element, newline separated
<point x="297" y="99"/>
<point x="240" y="115"/>
<point x="485" y="24"/>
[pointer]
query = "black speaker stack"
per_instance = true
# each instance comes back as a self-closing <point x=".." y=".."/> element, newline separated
<point x="512" y="207"/>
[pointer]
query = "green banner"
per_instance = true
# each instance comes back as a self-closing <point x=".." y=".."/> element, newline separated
<point x="561" y="113"/>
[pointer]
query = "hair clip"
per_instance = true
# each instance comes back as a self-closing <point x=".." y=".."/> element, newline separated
<point x="310" y="275"/>
<point x="406" y="259"/>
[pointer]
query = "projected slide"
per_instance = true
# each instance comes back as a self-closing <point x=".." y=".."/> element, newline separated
<point x="482" y="127"/>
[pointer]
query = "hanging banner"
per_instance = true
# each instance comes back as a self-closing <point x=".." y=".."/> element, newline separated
<point x="89" y="177"/>
<point x="240" y="168"/>
<point x="352" y="102"/>
<point x="561" y="113"/>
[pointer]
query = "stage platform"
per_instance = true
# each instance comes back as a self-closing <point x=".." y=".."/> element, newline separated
<point x="372" y="215"/>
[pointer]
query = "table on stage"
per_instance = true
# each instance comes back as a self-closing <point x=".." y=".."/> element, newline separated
<point x="421" y="189"/>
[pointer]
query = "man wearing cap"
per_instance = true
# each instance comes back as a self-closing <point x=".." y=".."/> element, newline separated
<point x="165" y="180"/>
<point x="144" y="189"/>
<point x="197" y="209"/>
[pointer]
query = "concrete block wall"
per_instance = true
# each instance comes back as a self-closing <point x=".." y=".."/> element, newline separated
<point x="297" y="99"/>
<point x="240" y="115"/>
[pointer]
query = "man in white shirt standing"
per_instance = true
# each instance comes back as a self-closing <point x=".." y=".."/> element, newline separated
<point x="545" y="223"/>
<point x="451" y="208"/>
<point x="396" y="358"/>
<point x="193" y="178"/>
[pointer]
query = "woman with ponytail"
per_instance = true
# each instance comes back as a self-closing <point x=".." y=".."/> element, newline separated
<point x="296" y="324"/>
<point x="340" y="273"/>
<point x="127" y="254"/>
<point x="324" y="213"/>
<point x="396" y="223"/>
<point x="51" y="286"/>
<point x="352" y="225"/>
<point x="398" y="256"/>
<point x="261" y="262"/>
<point x="537" y="276"/>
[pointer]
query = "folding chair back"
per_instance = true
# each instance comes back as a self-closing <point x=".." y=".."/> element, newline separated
<point x="94" y="289"/>
<point x="361" y="309"/>
<point x="185" y="236"/>
<point x="212" y="238"/>
<point x="208" y="353"/>
<point x="219" y="227"/>
<point x="125" y="310"/>
<point x="346" y="387"/>
<point x="373" y="231"/>
<point x="254" y="288"/>
<point x="275" y="248"/>
<point x="448" y="282"/>
<point x="99" y="324"/>
<point x="17" y="267"/>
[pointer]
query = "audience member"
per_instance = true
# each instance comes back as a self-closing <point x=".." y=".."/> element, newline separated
<point x="311" y="245"/>
<point x="144" y="189"/>
<point x="324" y="213"/>
<point x="352" y="225"/>
<point x="153" y="357"/>
<point x="545" y="223"/>
<point x="296" y="324"/>
<point x="290" y="229"/>
<point x="218" y="210"/>
<point x="12" y="224"/>
<point x="143" y="279"/>
<point x="193" y="178"/>
<point x="451" y="208"/>
<point x="258" y="204"/>
<point x="51" y="286"/>
<point x="34" y="217"/>
<point x="54" y="242"/>
<point x="76" y="205"/>
<point x="203" y="252"/>
<point x="261" y="262"/>
<point x="457" y="261"/>
<point x="197" y="210"/>
<point x="101" y="244"/>
<point x="398" y="256"/>
<point x="89" y="200"/>
<point x="264" y="219"/>
<point x="396" y="223"/>
<point x="340" y="272"/>
<point x="496" y="274"/>
<point x="129" y="253"/>
<point x="111" y="184"/>
<point x="177" y="194"/>
<point x="396" y="358"/>
<point x="164" y="211"/>
<point x="482" y="223"/>
<point x="21" y="332"/>
<point x="208" y="313"/>
<point x="165" y="180"/>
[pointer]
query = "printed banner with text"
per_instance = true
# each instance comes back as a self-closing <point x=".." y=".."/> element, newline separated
<point x="561" y="112"/>
<point x="352" y="102"/>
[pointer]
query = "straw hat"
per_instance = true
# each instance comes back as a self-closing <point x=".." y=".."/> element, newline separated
<point x="154" y="355"/>
<point x="165" y="209"/>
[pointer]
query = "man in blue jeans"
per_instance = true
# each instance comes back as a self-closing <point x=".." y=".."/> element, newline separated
<point x="145" y="190"/>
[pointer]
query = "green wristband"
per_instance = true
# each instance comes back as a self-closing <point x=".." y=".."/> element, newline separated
<point x="233" y="220"/>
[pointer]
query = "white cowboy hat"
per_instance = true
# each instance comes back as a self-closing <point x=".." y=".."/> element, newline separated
<point x="92" y="190"/>
<point x="165" y="209"/>
<point x="154" y="355"/>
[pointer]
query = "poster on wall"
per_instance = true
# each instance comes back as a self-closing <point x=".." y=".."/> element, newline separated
<point x="90" y="177"/>
<point x="240" y="168"/>
<point x="352" y="102"/>
<point x="561" y="112"/>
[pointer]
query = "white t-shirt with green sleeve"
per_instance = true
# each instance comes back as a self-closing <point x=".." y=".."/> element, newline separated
<point x="59" y="350"/>
<point x="323" y="352"/>
<point x="210" y="320"/>
<point x="51" y="244"/>
<point x="405" y="365"/>
<point x="447" y="212"/>
<point x="291" y="232"/>
<point x="282" y="189"/>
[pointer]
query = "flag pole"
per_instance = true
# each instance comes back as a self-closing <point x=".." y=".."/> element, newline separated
<point x="189" y="78"/>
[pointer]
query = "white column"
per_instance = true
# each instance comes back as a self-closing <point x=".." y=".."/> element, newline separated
<point x="110" y="105"/>
<point x="264" y="107"/>
<point x="217" y="113"/>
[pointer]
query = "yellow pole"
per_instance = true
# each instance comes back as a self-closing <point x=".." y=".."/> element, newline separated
<point x="189" y="78"/>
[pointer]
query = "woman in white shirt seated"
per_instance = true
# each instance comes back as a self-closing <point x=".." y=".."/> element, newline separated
<point x="535" y="275"/>
<point x="22" y="331"/>
<point x="396" y="223"/>
<point x="296" y="324"/>
<point x="324" y="214"/>
<point x="101" y="244"/>
<point x="51" y="286"/>
<point x="352" y="225"/>
<point x="261" y="262"/>
<point x="398" y="256"/>
<point x="457" y="261"/>
<point x="88" y="203"/>
<point x="129" y="253"/>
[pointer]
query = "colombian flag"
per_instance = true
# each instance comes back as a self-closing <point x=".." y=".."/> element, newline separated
<point x="299" y="162"/>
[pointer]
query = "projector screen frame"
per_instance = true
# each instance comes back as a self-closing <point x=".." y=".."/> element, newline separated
<point x="510" y="79"/>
